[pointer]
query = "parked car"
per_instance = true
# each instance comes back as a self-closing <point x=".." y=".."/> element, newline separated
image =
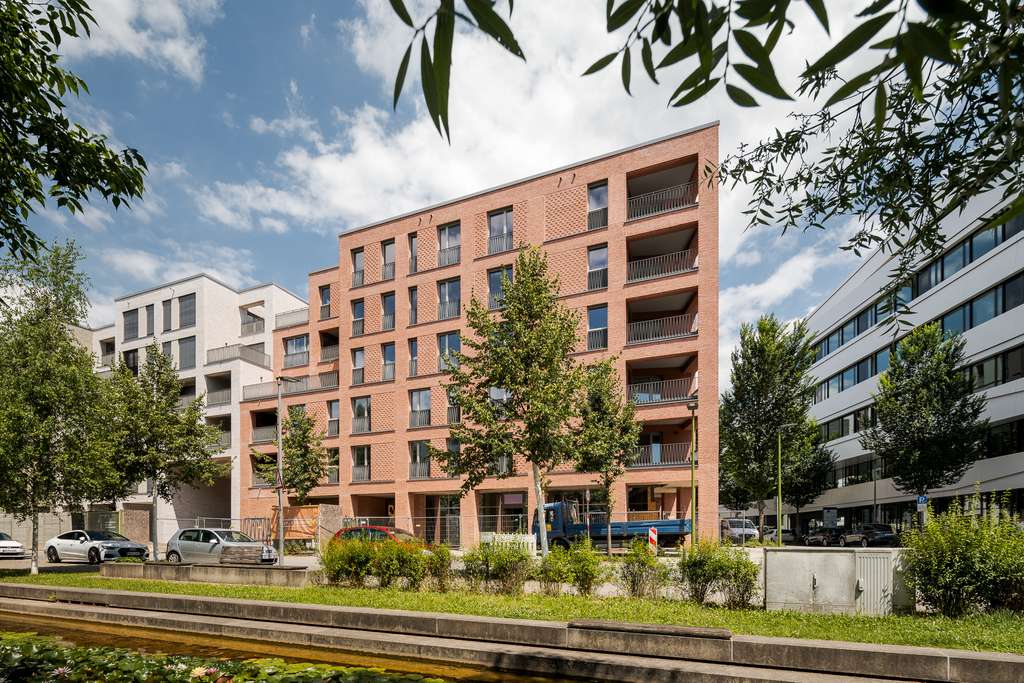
<point x="9" y="548"/>
<point x="788" y="537"/>
<point x="94" y="546"/>
<point x="214" y="546"/>
<point x="376" y="533"/>
<point x="823" y="536"/>
<point x="868" y="535"/>
<point x="738" y="531"/>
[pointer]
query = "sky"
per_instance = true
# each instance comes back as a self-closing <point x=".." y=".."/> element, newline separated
<point x="268" y="130"/>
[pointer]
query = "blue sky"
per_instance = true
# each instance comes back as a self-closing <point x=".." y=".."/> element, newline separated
<point x="268" y="129"/>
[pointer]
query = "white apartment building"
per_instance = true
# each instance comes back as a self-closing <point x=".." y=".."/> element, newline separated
<point x="219" y="339"/>
<point x="975" y="287"/>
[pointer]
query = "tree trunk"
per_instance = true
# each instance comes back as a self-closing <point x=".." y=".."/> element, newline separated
<point x="35" y="544"/>
<point x="608" y="520"/>
<point x="542" y="527"/>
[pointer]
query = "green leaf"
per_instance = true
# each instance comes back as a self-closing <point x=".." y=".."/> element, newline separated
<point x="601" y="63"/>
<point x="930" y="42"/>
<point x="851" y="86"/>
<point x="443" y="35"/>
<point x="493" y="25"/>
<point x="399" y="8"/>
<point x="881" y="105"/>
<point x="752" y="47"/>
<point x="740" y="96"/>
<point x="627" y="71"/>
<point x="623" y="14"/>
<point x="648" y="60"/>
<point x="818" y="7"/>
<point x="682" y="50"/>
<point x="852" y="42"/>
<point x="763" y="80"/>
<point x="698" y="92"/>
<point x="400" y="78"/>
<point x="427" y="81"/>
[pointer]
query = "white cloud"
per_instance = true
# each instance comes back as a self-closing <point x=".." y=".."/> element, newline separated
<point x="295" y="124"/>
<point x="93" y="218"/>
<point x="174" y="261"/>
<point x="158" y="32"/>
<point x="306" y="30"/>
<point x="228" y="119"/>
<point x="747" y="257"/>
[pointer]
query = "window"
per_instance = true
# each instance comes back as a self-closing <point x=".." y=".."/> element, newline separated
<point x="358" y="366"/>
<point x="928" y="277"/>
<point x="131" y="359"/>
<point x="597" y="327"/>
<point x="863" y="418"/>
<point x="1013" y="364"/>
<point x="495" y="286"/>
<point x="865" y="320"/>
<point x="987" y="373"/>
<point x="166" y="306"/>
<point x="419" y="460"/>
<point x="881" y="361"/>
<point x="187" y="353"/>
<point x="358" y="310"/>
<point x="325" y="302"/>
<point x="985" y="307"/>
<point x="358" y="268"/>
<point x="448" y="344"/>
<point x="955" y="322"/>
<point x="864" y="369"/>
<point x="333" y="415"/>
<point x="165" y="349"/>
<point x="150" y="320"/>
<point x="419" y="404"/>
<point x="954" y="260"/>
<point x="387" y="305"/>
<point x="333" y="465"/>
<point x="414" y="352"/>
<point x="361" y="414"/>
<point x="597" y="267"/>
<point x="413" y="252"/>
<point x="186" y="310"/>
<point x="387" y="352"/>
<point x="387" y="252"/>
<point x="597" y="205"/>
<point x="834" y="341"/>
<point x="848" y="377"/>
<point x="849" y="331"/>
<point x="449" y="299"/>
<point x="834" y="386"/>
<point x="499" y="231"/>
<point x="131" y="324"/>
<point x="299" y="344"/>
<point x="1013" y="293"/>
<point x="360" y="463"/>
<point x="983" y="242"/>
<point x="449" y="239"/>
<point x="414" y="303"/>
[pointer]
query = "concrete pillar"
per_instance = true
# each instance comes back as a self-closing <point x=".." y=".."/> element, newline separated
<point x="403" y="510"/>
<point x="469" y="528"/>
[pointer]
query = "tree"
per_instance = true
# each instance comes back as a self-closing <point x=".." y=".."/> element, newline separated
<point x="808" y="477"/>
<point x="608" y="432"/>
<point x="932" y="122"/>
<point x="42" y="153"/>
<point x="304" y="458"/>
<point x="928" y="427"/>
<point x="53" y="452"/>
<point x="771" y="392"/>
<point x="731" y="495"/>
<point x="518" y="387"/>
<point x="151" y="438"/>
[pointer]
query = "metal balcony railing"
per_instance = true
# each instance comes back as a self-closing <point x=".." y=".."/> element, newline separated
<point x="454" y="415"/>
<point x="224" y="440"/>
<point x="449" y="255"/>
<point x="597" y="218"/>
<point x="448" y="309"/>
<point x="107" y="360"/>
<point x="387" y="321"/>
<point x="661" y="455"/>
<point x="413" y="363"/>
<point x="360" y="473"/>
<point x="499" y="243"/>
<point x="333" y="476"/>
<point x="253" y="327"/>
<point x="661" y="265"/>
<point x="218" y="397"/>
<point x="358" y="278"/>
<point x="661" y="201"/>
<point x="502" y="466"/>
<point x="333" y="427"/>
<point x="419" y="418"/>
<point x="665" y="391"/>
<point x="358" y="375"/>
<point x="387" y="371"/>
<point x="360" y="425"/>
<point x="419" y="470"/>
<point x="358" y="326"/>
<point x="657" y="329"/>
<point x="325" y="311"/>
<point x="387" y="271"/>
<point x="328" y="353"/>
<point x="185" y="401"/>
<point x="597" y="339"/>
<point x="294" y="360"/>
<point x="225" y="354"/>
<point x="300" y="316"/>
<point x="597" y="279"/>
<point x="495" y="300"/>
<point x="323" y="380"/>
<point x="264" y="434"/>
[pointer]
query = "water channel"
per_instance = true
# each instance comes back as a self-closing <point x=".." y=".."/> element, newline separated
<point x="90" y="634"/>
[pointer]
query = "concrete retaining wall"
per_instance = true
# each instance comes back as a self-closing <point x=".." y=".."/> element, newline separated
<point x="289" y="577"/>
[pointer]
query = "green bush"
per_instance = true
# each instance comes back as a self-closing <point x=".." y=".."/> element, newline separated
<point x="439" y="567"/>
<point x="386" y="564"/>
<point x="502" y="567"/>
<point x="129" y="560"/>
<point x="554" y="570"/>
<point x="413" y="566"/>
<point x="703" y="568"/>
<point x="640" y="573"/>
<point x="347" y="561"/>
<point x="584" y="566"/>
<point x="740" y="583"/>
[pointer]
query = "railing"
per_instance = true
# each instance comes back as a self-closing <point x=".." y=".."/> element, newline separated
<point x="185" y="401"/>
<point x="413" y="363"/>
<point x="661" y="455"/>
<point x="300" y="316"/>
<point x="387" y="271"/>
<point x="325" y="311"/>
<point x="662" y="201"/>
<point x="107" y="360"/>
<point x="333" y="477"/>
<point x="360" y="425"/>
<point x="218" y="397"/>
<point x="449" y="255"/>
<point x="332" y="427"/>
<point x="294" y="360"/>
<point x="358" y="326"/>
<point x="671" y="327"/>
<point x="224" y="354"/>
<point x="665" y="391"/>
<point x="419" y="470"/>
<point x="446" y="361"/>
<point x="502" y="466"/>
<point x="254" y="327"/>
<point x="503" y="523"/>
<point x="419" y="418"/>
<point x="499" y="243"/>
<point x="264" y="434"/>
<point x="224" y="439"/>
<point x="597" y="218"/>
<point x="597" y="339"/>
<point x="662" y="265"/>
<point x="387" y="371"/>
<point x="597" y="279"/>
<point x="358" y="278"/>
<point x="328" y="353"/>
<point x="387" y="321"/>
<point x="495" y="300"/>
<point x="323" y="380"/>
<point x="360" y="473"/>
<point x="358" y="375"/>
<point x="448" y="309"/>
<point x="454" y="415"/>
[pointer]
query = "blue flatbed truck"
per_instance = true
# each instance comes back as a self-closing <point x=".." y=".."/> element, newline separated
<point x="564" y="526"/>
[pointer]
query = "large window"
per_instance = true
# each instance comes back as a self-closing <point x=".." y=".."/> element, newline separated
<point x="387" y="252"/>
<point x="387" y="305"/>
<point x="131" y="359"/>
<point x="495" y="287"/>
<point x="150" y="320"/>
<point x="448" y="344"/>
<point x="358" y="311"/>
<point x="166" y="306"/>
<point x="499" y="231"/>
<point x="597" y="327"/>
<point x="360" y="463"/>
<point x="358" y="366"/>
<point x="186" y="310"/>
<point x="361" y="414"/>
<point x="449" y="240"/>
<point x="131" y="324"/>
<point x="358" y="267"/>
<point x="449" y="299"/>
<point x="419" y="405"/>
<point x="597" y="267"/>
<point x="187" y="353"/>
<point x="387" y="353"/>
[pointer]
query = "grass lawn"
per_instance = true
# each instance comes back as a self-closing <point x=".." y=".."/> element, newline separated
<point x="1002" y="632"/>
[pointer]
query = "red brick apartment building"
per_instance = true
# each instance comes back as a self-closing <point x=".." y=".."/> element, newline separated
<point x="633" y="238"/>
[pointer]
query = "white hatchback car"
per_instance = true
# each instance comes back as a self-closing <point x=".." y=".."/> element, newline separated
<point x="9" y="548"/>
<point x="95" y="546"/>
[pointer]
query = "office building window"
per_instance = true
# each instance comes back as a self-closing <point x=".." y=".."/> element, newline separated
<point x="186" y="310"/>
<point x="187" y="353"/>
<point x="150" y="320"/>
<point x="166" y="306"/>
<point x="131" y="324"/>
<point x="165" y="349"/>
<point x="131" y="359"/>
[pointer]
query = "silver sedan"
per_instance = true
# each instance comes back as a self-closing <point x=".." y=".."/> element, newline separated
<point x="214" y="546"/>
<point x="94" y="546"/>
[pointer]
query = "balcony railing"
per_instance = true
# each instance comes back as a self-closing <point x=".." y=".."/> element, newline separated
<point x="661" y="455"/>
<point x="325" y="311"/>
<point x="501" y="467"/>
<point x="387" y="371"/>
<point x="360" y="473"/>
<point x="358" y="326"/>
<point x="387" y="321"/>
<point x="185" y="401"/>
<point x="454" y="415"/>
<point x="358" y="278"/>
<point x="333" y="476"/>
<point x="597" y="339"/>
<point x="358" y="375"/>
<point x="225" y="354"/>
<point x="224" y="440"/>
<point x="665" y="391"/>
<point x="662" y="201"/>
<point x="449" y="255"/>
<point x="294" y="360"/>
<point x="446" y="361"/>
<point x="218" y="397"/>
<point x="597" y="279"/>
<point x="253" y="327"/>
<point x="597" y="218"/>
<point x="419" y="470"/>
<point x="323" y="380"/>
<point x="419" y="418"/>
<point x="387" y="271"/>
<point x="328" y="353"/>
<point x="264" y="434"/>
<point x="657" y="329"/>
<point x="107" y="360"/>
<point x="360" y="425"/>
<point x="499" y="243"/>
<point x="495" y="300"/>
<point x="300" y="316"/>
<point x="333" y="427"/>
<point x="448" y="309"/>
<point x="662" y="265"/>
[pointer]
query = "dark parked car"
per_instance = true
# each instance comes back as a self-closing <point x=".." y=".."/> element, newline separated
<point x="868" y="535"/>
<point x="822" y="536"/>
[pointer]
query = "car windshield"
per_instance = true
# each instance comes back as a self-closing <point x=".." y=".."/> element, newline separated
<point x="232" y="536"/>
<point x="105" y="536"/>
<point x="5" y="537"/>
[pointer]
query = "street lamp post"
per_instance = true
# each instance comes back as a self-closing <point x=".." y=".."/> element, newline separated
<point x="778" y="492"/>
<point x="693" y="473"/>
<point x="280" y="468"/>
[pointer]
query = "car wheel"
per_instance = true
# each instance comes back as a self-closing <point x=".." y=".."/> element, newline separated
<point x="94" y="556"/>
<point x="51" y="555"/>
<point x="863" y="543"/>
<point x="842" y="541"/>
<point x="173" y="557"/>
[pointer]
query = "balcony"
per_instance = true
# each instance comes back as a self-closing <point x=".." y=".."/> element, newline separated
<point x="264" y="434"/>
<point x="328" y="353"/>
<point x="218" y="397"/>
<point x="358" y="375"/>
<point x="361" y="425"/>
<point x="107" y="360"/>
<point x="661" y="266"/>
<point x="597" y="339"/>
<point x="360" y="473"/>
<point x="597" y="218"/>
<point x="663" y="391"/>
<point x="661" y="455"/>
<point x="358" y="278"/>
<point x="358" y="327"/>
<point x="497" y="244"/>
<point x="449" y="256"/>
<point x="597" y="279"/>
<point x="447" y="310"/>
<point x="185" y="401"/>
<point x="660" y="329"/>
<point x="253" y="327"/>
<point x="294" y="360"/>
<point x="224" y="440"/>
<point x="325" y="311"/>
<point x="387" y="271"/>
<point x="660" y="201"/>
<point x="387" y="371"/>
<point x="419" y="418"/>
<point x="225" y="354"/>
<point x="333" y="427"/>
<point x="419" y="470"/>
<point x="387" y="322"/>
<point x="454" y="415"/>
<point x="323" y="380"/>
<point x="299" y="316"/>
